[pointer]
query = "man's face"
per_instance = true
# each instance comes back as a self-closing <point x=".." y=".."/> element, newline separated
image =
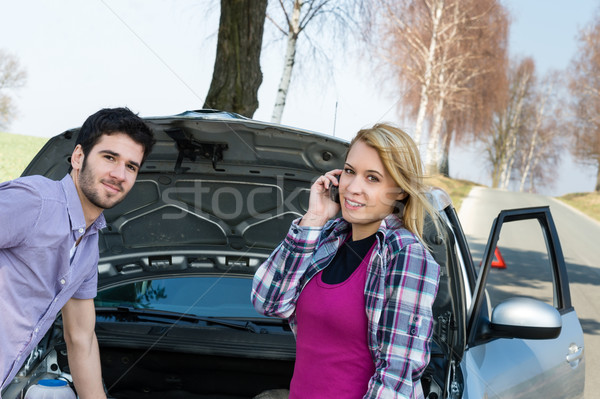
<point x="109" y="170"/>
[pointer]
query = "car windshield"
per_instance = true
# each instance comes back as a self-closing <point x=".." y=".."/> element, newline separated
<point x="211" y="296"/>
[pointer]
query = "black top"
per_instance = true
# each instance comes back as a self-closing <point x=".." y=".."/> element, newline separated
<point x="347" y="259"/>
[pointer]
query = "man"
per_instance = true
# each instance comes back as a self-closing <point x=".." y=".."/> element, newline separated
<point x="49" y="245"/>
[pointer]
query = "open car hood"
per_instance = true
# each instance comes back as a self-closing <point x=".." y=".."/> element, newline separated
<point x="217" y="195"/>
<point x="215" y="183"/>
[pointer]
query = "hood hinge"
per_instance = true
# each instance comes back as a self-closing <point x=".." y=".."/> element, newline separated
<point x="191" y="148"/>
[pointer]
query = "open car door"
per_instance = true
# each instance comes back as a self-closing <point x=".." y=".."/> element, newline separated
<point x="524" y="337"/>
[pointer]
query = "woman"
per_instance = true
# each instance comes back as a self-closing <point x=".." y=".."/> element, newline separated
<point x="358" y="291"/>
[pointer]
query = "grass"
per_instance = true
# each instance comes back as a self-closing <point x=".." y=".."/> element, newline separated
<point x="16" y="151"/>
<point x="588" y="203"/>
<point x="457" y="189"/>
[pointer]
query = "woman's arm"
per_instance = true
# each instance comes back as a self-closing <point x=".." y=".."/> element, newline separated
<point x="406" y="323"/>
<point x="276" y="283"/>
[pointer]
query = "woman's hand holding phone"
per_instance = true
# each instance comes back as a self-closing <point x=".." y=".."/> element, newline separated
<point x="334" y="192"/>
<point x="324" y="200"/>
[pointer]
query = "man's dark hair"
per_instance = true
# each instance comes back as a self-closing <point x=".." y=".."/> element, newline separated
<point x="115" y="120"/>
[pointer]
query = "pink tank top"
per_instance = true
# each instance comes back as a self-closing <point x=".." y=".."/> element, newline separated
<point x="332" y="355"/>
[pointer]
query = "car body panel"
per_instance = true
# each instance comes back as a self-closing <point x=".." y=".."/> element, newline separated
<point x="517" y="368"/>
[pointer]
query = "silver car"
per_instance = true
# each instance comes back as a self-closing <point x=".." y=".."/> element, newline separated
<point x="216" y="195"/>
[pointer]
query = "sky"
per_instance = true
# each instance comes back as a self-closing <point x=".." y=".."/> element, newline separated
<point x="156" y="57"/>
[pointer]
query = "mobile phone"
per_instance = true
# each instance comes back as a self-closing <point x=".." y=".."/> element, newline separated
<point x="334" y="192"/>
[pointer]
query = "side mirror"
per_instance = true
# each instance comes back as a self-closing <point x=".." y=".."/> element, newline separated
<point x="525" y="318"/>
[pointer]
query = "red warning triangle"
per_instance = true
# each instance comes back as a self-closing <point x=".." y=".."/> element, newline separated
<point x="498" y="260"/>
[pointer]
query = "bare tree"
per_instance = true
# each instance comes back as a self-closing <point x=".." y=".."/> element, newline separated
<point x="444" y="54"/>
<point x="523" y="144"/>
<point x="540" y="139"/>
<point x="471" y="62"/>
<point x="502" y="138"/>
<point x="480" y="85"/>
<point x="584" y="85"/>
<point x="539" y="157"/>
<point x="297" y="16"/>
<point x="12" y="77"/>
<point x="237" y="74"/>
<point x="408" y="36"/>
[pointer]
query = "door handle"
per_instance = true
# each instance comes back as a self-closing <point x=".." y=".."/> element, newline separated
<point x="575" y="353"/>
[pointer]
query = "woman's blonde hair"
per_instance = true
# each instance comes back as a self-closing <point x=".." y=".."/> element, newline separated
<point x="402" y="160"/>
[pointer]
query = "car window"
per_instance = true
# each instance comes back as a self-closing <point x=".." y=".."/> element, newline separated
<point x="211" y="296"/>
<point x="521" y="265"/>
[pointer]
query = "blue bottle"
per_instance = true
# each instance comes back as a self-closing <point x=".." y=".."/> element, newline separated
<point x="50" y="389"/>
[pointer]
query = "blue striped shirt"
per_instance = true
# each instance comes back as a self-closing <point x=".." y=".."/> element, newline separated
<point x="401" y="285"/>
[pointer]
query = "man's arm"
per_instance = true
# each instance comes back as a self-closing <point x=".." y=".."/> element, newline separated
<point x="79" y="319"/>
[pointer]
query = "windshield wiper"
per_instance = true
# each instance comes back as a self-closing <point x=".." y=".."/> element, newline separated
<point x="186" y="317"/>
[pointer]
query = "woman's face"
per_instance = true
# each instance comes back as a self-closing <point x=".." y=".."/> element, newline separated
<point x="367" y="191"/>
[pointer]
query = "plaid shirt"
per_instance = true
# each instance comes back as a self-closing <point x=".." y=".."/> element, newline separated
<point x="401" y="285"/>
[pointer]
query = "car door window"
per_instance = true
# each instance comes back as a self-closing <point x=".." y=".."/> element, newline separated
<point x="521" y="265"/>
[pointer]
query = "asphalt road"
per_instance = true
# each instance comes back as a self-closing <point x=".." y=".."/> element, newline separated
<point x="580" y="241"/>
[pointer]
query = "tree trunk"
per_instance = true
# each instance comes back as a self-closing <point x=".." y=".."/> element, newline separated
<point x="290" y="58"/>
<point x="445" y="162"/>
<point x="496" y="177"/>
<point x="237" y="74"/>
<point x="426" y="86"/>
<point x="433" y="146"/>
<point x="510" y="159"/>
<point x="513" y="130"/>
<point x="421" y="114"/>
<point x="529" y="160"/>
<point x="597" y="188"/>
<point x="497" y="150"/>
<point x="497" y="174"/>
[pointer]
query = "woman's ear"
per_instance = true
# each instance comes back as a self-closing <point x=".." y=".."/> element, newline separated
<point x="400" y="202"/>
<point x="401" y="196"/>
<point x="77" y="157"/>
